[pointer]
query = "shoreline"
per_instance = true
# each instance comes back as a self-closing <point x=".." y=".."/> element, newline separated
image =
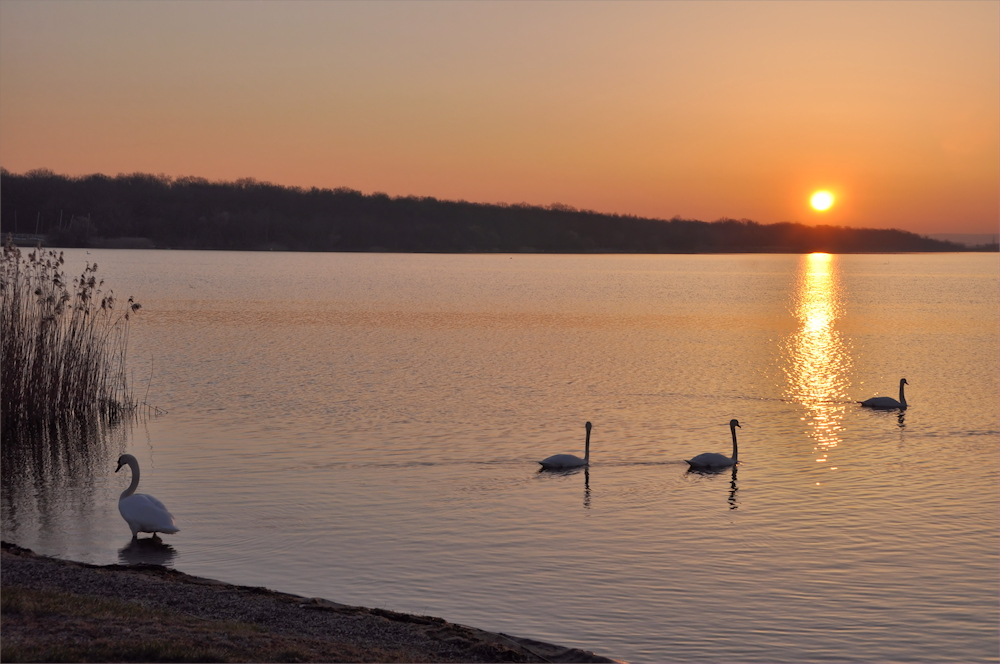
<point x="61" y="610"/>
<point x="143" y="243"/>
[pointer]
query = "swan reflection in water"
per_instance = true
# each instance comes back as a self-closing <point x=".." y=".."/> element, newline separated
<point x="900" y="415"/>
<point x="147" y="551"/>
<point x="573" y="471"/>
<point x="733" y="487"/>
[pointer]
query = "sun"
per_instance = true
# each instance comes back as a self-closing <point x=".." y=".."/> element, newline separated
<point x="821" y="200"/>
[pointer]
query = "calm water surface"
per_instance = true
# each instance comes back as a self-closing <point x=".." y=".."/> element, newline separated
<point x="365" y="428"/>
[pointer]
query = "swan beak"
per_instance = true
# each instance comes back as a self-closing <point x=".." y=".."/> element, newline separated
<point x="119" y="467"/>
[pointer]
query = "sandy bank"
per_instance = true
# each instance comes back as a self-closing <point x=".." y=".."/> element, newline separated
<point x="55" y="609"/>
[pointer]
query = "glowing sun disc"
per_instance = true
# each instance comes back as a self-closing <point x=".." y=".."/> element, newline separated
<point x="821" y="200"/>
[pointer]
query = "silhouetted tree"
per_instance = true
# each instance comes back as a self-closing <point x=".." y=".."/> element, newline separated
<point x="194" y="213"/>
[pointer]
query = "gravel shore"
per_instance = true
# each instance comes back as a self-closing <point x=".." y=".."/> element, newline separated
<point x="57" y="610"/>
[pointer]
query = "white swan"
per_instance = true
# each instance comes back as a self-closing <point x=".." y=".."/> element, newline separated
<point x="714" y="460"/>
<point x="886" y="403"/>
<point x="142" y="512"/>
<point x="557" y="461"/>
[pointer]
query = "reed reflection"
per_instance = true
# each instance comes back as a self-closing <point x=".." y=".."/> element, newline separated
<point x="47" y="473"/>
<point x="817" y="361"/>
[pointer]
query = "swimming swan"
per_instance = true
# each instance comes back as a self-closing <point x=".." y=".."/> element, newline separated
<point x="886" y="403"/>
<point x="569" y="460"/>
<point x="714" y="460"/>
<point x="142" y="512"/>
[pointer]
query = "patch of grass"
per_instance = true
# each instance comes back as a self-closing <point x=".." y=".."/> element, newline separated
<point x="42" y="603"/>
<point x="51" y="626"/>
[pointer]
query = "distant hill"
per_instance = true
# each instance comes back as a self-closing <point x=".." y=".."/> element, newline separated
<point x="193" y="213"/>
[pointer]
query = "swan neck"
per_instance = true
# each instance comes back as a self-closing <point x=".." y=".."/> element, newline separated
<point x="586" y="448"/>
<point x="134" y="466"/>
<point x="732" y="428"/>
<point x="902" y="397"/>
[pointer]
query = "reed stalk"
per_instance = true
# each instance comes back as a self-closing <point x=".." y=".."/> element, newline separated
<point x="63" y="344"/>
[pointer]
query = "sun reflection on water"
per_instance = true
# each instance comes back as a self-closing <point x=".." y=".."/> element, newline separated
<point x="817" y="358"/>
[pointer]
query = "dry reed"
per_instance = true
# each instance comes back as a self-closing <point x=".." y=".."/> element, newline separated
<point x="64" y="344"/>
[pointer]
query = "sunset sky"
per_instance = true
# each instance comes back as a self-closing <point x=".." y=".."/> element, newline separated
<point x="697" y="109"/>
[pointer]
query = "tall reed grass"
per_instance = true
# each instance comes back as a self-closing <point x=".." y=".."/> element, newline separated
<point x="64" y="344"/>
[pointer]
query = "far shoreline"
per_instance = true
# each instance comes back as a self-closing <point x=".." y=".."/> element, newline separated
<point x="141" y="243"/>
<point x="248" y="214"/>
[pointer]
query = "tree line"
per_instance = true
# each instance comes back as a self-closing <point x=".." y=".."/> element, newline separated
<point x="195" y="213"/>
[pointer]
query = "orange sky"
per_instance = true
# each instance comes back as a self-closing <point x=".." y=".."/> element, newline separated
<point x="697" y="109"/>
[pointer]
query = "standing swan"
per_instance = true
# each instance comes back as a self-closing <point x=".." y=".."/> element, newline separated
<point x="557" y="461"/>
<point x="886" y="403"/>
<point x="714" y="460"/>
<point x="142" y="512"/>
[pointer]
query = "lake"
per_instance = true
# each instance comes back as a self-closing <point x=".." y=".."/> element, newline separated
<point x="366" y="428"/>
